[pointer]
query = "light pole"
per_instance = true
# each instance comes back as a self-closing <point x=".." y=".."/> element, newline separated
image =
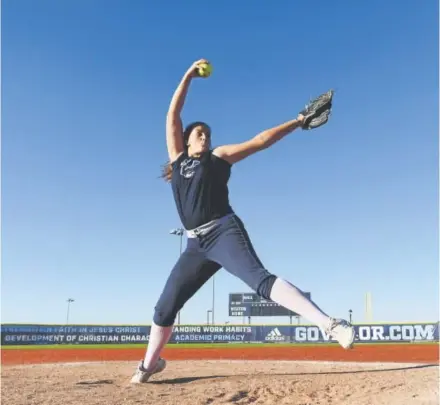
<point x="69" y="300"/>
<point x="213" y="298"/>
<point x="207" y="316"/>
<point x="350" y="313"/>
<point x="178" y="232"/>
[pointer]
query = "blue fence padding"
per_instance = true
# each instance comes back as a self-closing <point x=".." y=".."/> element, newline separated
<point x="21" y="334"/>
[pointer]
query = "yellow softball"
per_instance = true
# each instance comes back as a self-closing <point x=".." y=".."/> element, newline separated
<point x="205" y="69"/>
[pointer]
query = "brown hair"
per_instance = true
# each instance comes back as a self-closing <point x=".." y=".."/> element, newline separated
<point x="166" y="168"/>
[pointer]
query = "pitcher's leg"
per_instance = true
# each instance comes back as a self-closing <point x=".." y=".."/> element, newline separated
<point x="234" y="251"/>
<point x="291" y="297"/>
<point x="189" y="274"/>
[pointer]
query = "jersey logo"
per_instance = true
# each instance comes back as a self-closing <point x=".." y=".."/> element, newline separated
<point x="188" y="168"/>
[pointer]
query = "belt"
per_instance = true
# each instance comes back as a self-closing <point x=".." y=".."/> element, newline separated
<point x="205" y="228"/>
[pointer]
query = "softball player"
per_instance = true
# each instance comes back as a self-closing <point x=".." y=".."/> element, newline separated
<point x="216" y="236"/>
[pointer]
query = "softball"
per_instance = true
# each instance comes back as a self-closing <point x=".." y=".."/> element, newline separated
<point x="205" y="69"/>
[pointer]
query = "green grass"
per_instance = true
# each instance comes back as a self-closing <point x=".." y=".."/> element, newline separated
<point x="143" y="345"/>
<point x="190" y="345"/>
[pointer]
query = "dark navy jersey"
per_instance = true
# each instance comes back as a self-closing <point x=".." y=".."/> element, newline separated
<point x="200" y="188"/>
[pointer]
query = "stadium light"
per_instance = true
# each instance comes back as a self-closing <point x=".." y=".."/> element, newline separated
<point x="69" y="300"/>
<point x="213" y="298"/>
<point x="178" y="232"/>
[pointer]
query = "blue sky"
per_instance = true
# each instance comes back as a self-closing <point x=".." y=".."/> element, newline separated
<point x="349" y="208"/>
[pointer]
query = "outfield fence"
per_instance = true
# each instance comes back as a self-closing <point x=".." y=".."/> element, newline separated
<point x="34" y="334"/>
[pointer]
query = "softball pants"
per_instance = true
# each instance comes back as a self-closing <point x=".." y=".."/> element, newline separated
<point x="220" y="243"/>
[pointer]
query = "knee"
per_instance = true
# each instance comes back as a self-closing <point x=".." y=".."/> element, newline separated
<point x="164" y="315"/>
<point x="264" y="289"/>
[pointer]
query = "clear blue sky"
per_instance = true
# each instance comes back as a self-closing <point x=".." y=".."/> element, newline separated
<point x="346" y="209"/>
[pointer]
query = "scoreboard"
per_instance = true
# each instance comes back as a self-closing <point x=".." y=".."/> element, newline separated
<point x="251" y="304"/>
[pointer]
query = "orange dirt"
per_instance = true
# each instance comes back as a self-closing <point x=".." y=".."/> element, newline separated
<point x="411" y="353"/>
<point x="216" y="382"/>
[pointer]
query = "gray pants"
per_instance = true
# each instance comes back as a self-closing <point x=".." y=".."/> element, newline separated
<point x="221" y="243"/>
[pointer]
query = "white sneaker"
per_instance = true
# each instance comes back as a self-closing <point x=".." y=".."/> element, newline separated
<point x="342" y="331"/>
<point x="141" y="375"/>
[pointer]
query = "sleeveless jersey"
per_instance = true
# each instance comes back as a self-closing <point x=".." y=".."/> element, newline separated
<point x="200" y="188"/>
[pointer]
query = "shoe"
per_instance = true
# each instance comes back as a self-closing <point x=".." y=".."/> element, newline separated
<point x="342" y="331"/>
<point x="141" y="375"/>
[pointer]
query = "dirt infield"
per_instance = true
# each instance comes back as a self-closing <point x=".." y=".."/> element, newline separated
<point x="223" y="382"/>
<point x="408" y="353"/>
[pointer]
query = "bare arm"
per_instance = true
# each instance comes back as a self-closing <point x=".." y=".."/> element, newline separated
<point x="174" y="127"/>
<point x="236" y="152"/>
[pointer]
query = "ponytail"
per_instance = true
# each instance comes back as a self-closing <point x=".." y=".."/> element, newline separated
<point x="167" y="169"/>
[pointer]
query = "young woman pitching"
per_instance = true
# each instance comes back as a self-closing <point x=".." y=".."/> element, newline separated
<point x="216" y="235"/>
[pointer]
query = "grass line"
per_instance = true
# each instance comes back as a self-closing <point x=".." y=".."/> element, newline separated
<point x="143" y="345"/>
<point x="191" y="346"/>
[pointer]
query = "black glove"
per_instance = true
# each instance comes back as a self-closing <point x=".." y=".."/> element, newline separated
<point x="317" y="112"/>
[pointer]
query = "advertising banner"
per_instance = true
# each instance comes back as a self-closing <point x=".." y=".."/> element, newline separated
<point x="135" y="334"/>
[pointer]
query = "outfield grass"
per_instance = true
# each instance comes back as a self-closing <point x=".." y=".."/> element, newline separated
<point x="189" y="345"/>
<point x="171" y="346"/>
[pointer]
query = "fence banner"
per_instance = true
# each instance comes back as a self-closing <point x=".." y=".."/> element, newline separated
<point x="21" y="334"/>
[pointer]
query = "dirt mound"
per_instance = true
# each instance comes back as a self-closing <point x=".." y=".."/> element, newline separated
<point x="223" y="382"/>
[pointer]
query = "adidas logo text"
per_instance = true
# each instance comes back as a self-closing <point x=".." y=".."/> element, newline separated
<point x="275" y="336"/>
